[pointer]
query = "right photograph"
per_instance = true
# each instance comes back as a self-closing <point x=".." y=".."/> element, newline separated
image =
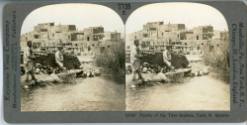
<point x="177" y="58"/>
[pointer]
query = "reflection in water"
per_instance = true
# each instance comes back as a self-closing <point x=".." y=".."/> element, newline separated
<point x="91" y="94"/>
<point x="198" y="93"/>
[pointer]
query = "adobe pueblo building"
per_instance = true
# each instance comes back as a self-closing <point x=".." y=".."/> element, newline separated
<point x="155" y="36"/>
<point x="84" y="44"/>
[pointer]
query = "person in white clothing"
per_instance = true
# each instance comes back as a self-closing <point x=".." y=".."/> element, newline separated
<point x="167" y="57"/>
<point x="59" y="58"/>
<point x="136" y="62"/>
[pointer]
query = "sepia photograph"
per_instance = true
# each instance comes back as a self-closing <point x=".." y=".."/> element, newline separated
<point x="124" y="61"/>
<point x="177" y="58"/>
<point x="72" y="59"/>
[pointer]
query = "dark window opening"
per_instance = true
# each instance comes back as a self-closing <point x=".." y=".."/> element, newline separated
<point x="197" y="37"/>
<point x="145" y="35"/>
<point x="170" y="41"/>
<point x="43" y="30"/>
<point x="102" y="49"/>
<point x="211" y="48"/>
<point x="36" y="36"/>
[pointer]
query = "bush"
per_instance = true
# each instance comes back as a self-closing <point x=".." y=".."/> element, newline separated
<point x="113" y="61"/>
<point x="217" y="57"/>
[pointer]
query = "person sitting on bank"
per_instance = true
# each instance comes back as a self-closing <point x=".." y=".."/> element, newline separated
<point x="167" y="57"/>
<point x="59" y="58"/>
<point x="29" y="63"/>
<point x="136" y="63"/>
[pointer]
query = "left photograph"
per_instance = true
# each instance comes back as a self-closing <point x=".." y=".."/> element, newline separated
<point x="72" y="59"/>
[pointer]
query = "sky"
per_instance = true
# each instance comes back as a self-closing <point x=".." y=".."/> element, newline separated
<point x="190" y="14"/>
<point x="82" y="15"/>
<point x="86" y="15"/>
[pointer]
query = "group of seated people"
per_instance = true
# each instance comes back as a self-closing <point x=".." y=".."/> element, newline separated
<point x="29" y="62"/>
<point x="155" y="62"/>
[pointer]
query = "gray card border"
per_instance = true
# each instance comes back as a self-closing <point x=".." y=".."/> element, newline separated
<point x="15" y="12"/>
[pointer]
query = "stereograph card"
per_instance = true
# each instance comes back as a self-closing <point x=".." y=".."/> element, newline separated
<point x="125" y="61"/>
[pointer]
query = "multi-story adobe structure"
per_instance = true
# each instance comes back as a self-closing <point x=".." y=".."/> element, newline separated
<point x="46" y="37"/>
<point x="155" y="36"/>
